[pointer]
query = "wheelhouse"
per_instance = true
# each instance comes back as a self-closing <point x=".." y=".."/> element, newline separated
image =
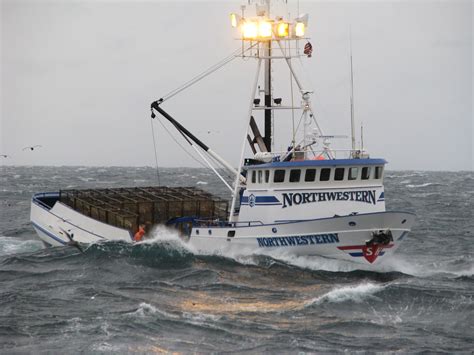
<point x="316" y="174"/>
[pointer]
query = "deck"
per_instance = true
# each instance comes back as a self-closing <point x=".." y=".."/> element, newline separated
<point x="129" y="207"/>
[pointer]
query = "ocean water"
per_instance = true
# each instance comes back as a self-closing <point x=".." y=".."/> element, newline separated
<point x="161" y="296"/>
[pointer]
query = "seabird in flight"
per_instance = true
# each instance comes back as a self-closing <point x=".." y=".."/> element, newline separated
<point x="32" y="147"/>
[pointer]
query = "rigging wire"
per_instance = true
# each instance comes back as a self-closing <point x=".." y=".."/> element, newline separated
<point x="181" y="146"/>
<point x="156" y="154"/>
<point x="188" y="153"/>
<point x="184" y="86"/>
<point x="205" y="73"/>
<point x="292" y="111"/>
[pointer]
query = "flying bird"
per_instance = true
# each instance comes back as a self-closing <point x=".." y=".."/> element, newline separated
<point x="3" y="155"/>
<point x="32" y="147"/>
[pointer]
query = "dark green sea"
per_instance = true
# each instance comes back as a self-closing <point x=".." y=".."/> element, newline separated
<point x="160" y="296"/>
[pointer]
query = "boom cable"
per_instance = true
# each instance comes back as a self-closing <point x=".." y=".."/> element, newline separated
<point x="205" y="73"/>
<point x="156" y="154"/>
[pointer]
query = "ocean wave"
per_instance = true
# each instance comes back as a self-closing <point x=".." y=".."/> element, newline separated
<point x="354" y="293"/>
<point x="426" y="184"/>
<point x="145" y="310"/>
<point x="10" y="245"/>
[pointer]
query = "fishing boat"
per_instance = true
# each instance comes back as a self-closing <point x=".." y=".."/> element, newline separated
<point x="307" y="200"/>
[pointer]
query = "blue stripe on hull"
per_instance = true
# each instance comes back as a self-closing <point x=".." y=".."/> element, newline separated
<point x="48" y="233"/>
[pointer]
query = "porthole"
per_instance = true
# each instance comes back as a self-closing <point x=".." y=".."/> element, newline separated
<point x="274" y="230"/>
<point x="352" y="223"/>
<point x="197" y="231"/>
<point x="403" y="222"/>
<point x="210" y="232"/>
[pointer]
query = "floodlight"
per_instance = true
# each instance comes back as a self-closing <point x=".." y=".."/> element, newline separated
<point x="299" y="29"/>
<point x="265" y="29"/>
<point x="283" y="29"/>
<point x="235" y="19"/>
<point x="250" y="30"/>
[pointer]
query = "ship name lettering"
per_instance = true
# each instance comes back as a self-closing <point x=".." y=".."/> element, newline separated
<point x="296" y="198"/>
<point x="269" y="242"/>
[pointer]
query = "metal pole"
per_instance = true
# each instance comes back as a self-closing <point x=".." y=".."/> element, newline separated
<point x="242" y="152"/>
<point x="352" y="106"/>
<point x="268" y="89"/>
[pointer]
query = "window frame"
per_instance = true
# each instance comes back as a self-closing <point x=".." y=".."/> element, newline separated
<point x="306" y="175"/>
<point x="369" y="172"/>
<point x="350" y="175"/>
<point x="337" y="177"/>
<point x="298" y="175"/>
<point x="275" y="175"/>
<point x="378" y="172"/>
<point x="322" y="171"/>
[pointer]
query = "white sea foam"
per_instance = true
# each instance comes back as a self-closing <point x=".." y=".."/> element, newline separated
<point x="396" y="263"/>
<point x="426" y="268"/>
<point x="201" y="183"/>
<point x="10" y="245"/>
<point x="161" y="233"/>
<point x="146" y="310"/>
<point x="421" y="185"/>
<point x="354" y="293"/>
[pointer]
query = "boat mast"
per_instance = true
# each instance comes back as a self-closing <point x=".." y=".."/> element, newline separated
<point x="352" y="105"/>
<point x="268" y="86"/>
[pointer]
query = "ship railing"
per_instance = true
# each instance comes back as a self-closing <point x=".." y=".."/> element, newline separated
<point x="321" y="154"/>
<point x="215" y="222"/>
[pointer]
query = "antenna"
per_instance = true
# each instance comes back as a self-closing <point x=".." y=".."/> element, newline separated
<point x="352" y="100"/>
<point x="362" y="136"/>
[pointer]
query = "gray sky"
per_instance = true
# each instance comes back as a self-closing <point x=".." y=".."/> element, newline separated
<point x="78" y="76"/>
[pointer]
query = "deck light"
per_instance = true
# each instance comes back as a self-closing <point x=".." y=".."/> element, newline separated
<point x="235" y="20"/>
<point x="299" y="29"/>
<point x="265" y="29"/>
<point x="283" y="29"/>
<point x="300" y="25"/>
<point x="250" y="30"/>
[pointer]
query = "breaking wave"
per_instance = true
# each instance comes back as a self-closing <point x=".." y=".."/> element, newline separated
<point x="355" y="293"/>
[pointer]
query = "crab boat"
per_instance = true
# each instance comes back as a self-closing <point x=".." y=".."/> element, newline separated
<point x="309" y="200"/>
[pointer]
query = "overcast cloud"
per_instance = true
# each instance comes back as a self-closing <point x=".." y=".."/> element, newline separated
<point x="78" y="77"/>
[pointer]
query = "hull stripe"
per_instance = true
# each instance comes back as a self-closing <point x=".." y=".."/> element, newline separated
<point x="48" y="233"/>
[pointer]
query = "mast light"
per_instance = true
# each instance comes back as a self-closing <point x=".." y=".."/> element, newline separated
<point x="283" y="29"/>
<point x="300" y="25"/>
<point x="299" y="29"/>
<point x="265" y="29"/>
<point x="249" y="30"/>
<point x="235" y="20"/>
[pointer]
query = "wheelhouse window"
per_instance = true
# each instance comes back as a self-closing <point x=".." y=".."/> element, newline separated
<point x="260" y="176"/>
<point x="339" y="174"/>
<point x="295" y="175"/>
<point x="267" y="176"/>
<point x="365" y="173"/>
<point x="279" y="176"/>
<point x="325" y="174"/>
<point x="254" y="176"/>
<point x="378" y="172"/>
<point x="353" y="173"/>
<point x="310" y="175"/>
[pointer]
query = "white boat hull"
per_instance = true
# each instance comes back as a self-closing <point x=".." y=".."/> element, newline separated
<point x="337" y="237"/>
